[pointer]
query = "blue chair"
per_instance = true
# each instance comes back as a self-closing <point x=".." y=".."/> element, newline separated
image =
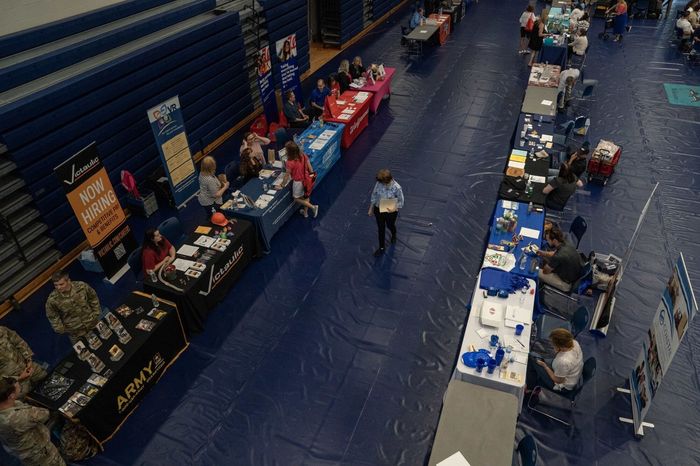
<point x="281" y="137"/>
<point x="578" y="228"/>
<point x="172" y="230"/>
<point x="135" y="263"/>
<point x="588" y="86"/>
<point x="527" y="450"/>
<point x="589" y="368"/>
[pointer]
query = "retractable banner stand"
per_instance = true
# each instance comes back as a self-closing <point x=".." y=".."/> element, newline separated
<point x="673" y="316"/>
<point x="168" y="127"/>
<point x="92" y="197"/>
<point x="286" y="50"/>
<point x="266" y="85"/>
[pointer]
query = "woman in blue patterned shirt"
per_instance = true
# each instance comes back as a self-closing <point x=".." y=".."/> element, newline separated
<point x="385" y="188"/>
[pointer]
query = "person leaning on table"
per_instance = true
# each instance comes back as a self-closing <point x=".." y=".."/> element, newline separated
<point x="385" y="188"/>
<point x="210" y="187"/>
<point x="565" y="369"/>
<point x="562" y="265"/>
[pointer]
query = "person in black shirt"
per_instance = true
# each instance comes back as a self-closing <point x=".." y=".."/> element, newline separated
<point x="293" y="112"/>
<point x="356" y="68"/>
<point x="560" y="189"/>
<point x="562" y="266"/>
<point x="577" y="161"/>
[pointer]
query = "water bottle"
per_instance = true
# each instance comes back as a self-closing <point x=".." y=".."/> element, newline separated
<point x="154" y="300"/>
<point x="152" y="275"/>
<point x="530" y="207"/>
<point x="528" y="187"/>
<point x="508" y="357"/>
<point x="500" y="355"/>
<point x="523" y="261"/>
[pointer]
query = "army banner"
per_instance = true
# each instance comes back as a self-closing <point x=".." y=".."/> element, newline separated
<point x="97" y="208"/>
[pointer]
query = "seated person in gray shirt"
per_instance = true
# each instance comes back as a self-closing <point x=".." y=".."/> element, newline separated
<point x="562" y="266"/>
<point x="211" y="188"/>
<point x="560" y="189"/>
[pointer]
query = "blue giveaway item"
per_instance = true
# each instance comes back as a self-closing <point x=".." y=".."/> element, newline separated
<point x="469" y="359"/>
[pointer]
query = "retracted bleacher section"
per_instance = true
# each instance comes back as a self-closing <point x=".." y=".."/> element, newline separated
<point x="341" y="20"/>
<point x="285" y="17"/>
<point x="193" y="52"/>
<point x="381" y="7"/>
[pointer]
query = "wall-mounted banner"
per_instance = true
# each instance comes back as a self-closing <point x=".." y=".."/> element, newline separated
<point x="266" y="84"/>
<point x="168" y="127"/>
<point x="92" y="197"/>
<point x="286" y="50"/>
<point x="674" y="314"/>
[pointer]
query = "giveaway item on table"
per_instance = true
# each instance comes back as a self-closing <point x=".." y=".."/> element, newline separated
<point x="469" y="359"/>
<point x="89" y="389"/>
<point x="103" y="330"/>
<point x="97" y="380"/>
<point x="124" y="310"/>
<point x="70" y="409"/>
<point x="157" y="313"/>
<point x="146" y="325"/>
<point x="55" y="386"/>
<point x="115" y="353"/>
<point x="492" y="313"/>
<point x="96" y="363"/>
<point x="112" y="321"/>
<point x="123" y="335"/>
<point x="193" y="273"/>
<point x="81" y="350"/>
<point x="79" y="399"/>
<point x="93" y="340"/>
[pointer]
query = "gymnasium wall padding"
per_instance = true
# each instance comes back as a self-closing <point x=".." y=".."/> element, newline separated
<point x="36" y="67"/>
<point x="204" y="66"/>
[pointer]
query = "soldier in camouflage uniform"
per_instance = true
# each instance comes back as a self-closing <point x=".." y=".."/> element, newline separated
<point x="22" y="429"/>
<point x="73" y="307"/>
<point x="16" y="361"/>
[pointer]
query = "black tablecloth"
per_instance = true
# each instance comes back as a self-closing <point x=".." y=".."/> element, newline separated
<point x="199" y="295"/>
<point x="146" y="357"/>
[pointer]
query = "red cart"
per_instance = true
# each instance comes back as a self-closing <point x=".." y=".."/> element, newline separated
<point x="602" y="164"/>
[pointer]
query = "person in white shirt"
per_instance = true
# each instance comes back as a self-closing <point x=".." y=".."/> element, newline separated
<point x="567" y="80"/>
<point x="576" y="13"/>
<point x="684" y="25"/>
<point x="528" y="14"/>
<point x="566" y="368"/>
<point x="580" y="43"/>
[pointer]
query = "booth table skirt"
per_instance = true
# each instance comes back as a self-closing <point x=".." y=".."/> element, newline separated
<point x="200" y="295"/>
<point x="356" y="123"/>
<point x="379" y="89"/>
<point x="444" y="23"/>
<point x="146" y="358"/>
<point x="322" y="158"/>
<point x="554" y="55"/>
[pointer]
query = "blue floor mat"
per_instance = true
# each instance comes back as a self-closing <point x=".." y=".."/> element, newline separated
<point x="324" y="355"/>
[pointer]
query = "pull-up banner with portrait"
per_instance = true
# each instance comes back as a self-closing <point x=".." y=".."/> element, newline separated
<point x="675" y="312"/>
<point x="92" y="197"/>
<point x="266" y="85"/>
<point x="168" y="127"/>
<point x="286" y="50"/>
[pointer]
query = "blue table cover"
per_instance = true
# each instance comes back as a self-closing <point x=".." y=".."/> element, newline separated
<point x="322" y="160"/>
<point x="269" y="220"/>
<point x="554" y="55"/>
<point x="533" y="220"/>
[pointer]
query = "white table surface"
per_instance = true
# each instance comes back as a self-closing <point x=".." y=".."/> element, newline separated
<point x="471" y="337"/>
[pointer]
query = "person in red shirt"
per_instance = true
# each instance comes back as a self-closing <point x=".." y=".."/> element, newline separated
<point x="157" y="251"/>
<point x="300" y="170"/>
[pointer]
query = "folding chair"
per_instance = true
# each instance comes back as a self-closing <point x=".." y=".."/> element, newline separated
<point x="527" y="450"/>
<point x="578" y="229"/>
<point x="172" y="230"/>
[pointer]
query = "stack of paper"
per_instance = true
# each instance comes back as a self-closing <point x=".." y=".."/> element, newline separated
<point x="182" y="264"/>
<point x="204" y="241"/>
<point x="187" y="250"/>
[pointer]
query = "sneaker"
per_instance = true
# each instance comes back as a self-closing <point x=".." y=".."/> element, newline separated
<point x="527" y="51"/>
<point x="378" y="252"/>
<point x="520" y="52"/>
<point x="393" y="239"/>
<point x="315" y="209"/>
<point x="303" y="213"/>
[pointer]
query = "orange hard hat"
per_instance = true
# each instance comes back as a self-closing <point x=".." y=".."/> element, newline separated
<point x="218" y="219"/>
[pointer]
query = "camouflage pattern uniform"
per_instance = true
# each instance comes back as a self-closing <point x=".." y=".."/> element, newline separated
<point x="23" y="433"/>
<point x="15" y="354"/>
<point x="74" y="313"/>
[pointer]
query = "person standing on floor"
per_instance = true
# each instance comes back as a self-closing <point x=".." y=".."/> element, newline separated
<point x="302" y="174"/>
<point x="388" y="190"/>
<point x="72" y="307"/>
<point x="16" y="361"/>
<point x="537" y="36"/>
<point x="211" y="188"/>
<point x="527" y="22"/>
<point x="22" y="429"/>
<point x="620" y="21"/>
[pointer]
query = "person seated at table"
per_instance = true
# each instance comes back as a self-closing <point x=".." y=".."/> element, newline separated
<point x="564" y="371"/>
<point x="575" y="14"/>
<point x="686" y="30"/>
<point x="250" y="165"/>
<point x="579" y="45"/>
<point x="211" y="188"/>
<point x="375" y="72"/>
<point x="537" y="36"/>
<point x="356" y="68"/>
<point x="293" y="112"/>
<point x="583" y="24"/>
<point x="692" y="9"/>
<point x="318" y="99"/>
<point x="254" y="142"/>
<point x="156" y="252"/>
<point x="334" y="86"/>
<point x="417" y="18"/>
<point x="562" y="265"/>
<point x="343" y="77"/>
<point x="560" y="189"/>
<point x="577" y="162"/>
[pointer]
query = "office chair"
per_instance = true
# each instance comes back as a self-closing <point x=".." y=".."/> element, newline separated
<point x="135" y="263"/>
<point x="171" y="228"/>
<point x="527" y="450"/>
<point x="589" y="368"/>
<point x="548" y="322"/>
<point x="578" y="229"/>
